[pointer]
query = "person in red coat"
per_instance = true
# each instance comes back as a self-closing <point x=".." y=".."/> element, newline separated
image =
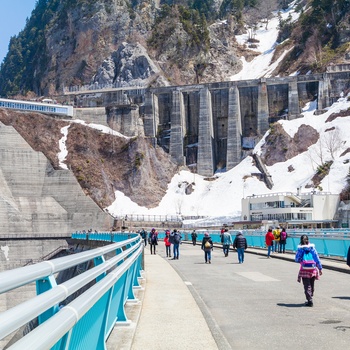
<point x="269" y="237"/>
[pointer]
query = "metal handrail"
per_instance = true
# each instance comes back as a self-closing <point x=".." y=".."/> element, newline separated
<point x="18" y="277"/>
<point x="55" y="328"/>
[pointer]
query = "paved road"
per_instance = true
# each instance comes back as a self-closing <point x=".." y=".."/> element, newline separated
<point x="260" y="305"/>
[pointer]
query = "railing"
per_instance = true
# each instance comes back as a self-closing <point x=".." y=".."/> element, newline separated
<point x="86" y="322"/>
<point x="329" y="243"/>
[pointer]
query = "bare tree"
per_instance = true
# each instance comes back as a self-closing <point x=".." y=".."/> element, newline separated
<point x="265" y="10"/>
<point x="333" y="142"/>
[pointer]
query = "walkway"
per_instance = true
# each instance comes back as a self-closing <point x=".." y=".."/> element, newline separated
<point x="257" y="305"/>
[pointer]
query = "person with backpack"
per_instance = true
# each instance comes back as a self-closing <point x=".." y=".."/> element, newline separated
<point x="207" y="246"/>
<point x="175" y="240"/>
<point x="226" y="242"/>
<point x="283" y="241"/>
<point x="240" y="243"/>
<point x="310" y="267"/>
<point x="153" y="240"/>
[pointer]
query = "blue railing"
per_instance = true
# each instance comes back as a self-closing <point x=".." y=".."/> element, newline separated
<point x="328" y="242"/>
<point x="86" y="322"/>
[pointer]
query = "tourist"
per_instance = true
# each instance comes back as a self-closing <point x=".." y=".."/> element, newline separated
<point x="194" y="237"/>
<point x="240" y="243"/>
<point x="269" y="237"/>
<point x="283" y="240"/>
<point x="143" y="234"/>
<point x="207" y="246"/>
<point x="277" y="235"/>
<point x="167" y="243"/>
<point x="226" y="241"/>
<point x="153" y="240"/>
<point x="175" y="239"/>
<point x="348" y="259"/>
<point x="310" y="267"/>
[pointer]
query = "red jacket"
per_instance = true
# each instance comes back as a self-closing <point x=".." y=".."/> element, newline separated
<point x="166" y="241"/>
<point x="269" y="237"/>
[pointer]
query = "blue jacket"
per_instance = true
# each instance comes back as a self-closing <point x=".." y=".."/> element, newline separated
<point x="306" y="249"/>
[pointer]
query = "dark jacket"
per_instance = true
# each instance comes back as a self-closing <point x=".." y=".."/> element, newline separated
<point x="348" y="259"/>
<point x="240" y="241"/>
<point x="204" y="240"/>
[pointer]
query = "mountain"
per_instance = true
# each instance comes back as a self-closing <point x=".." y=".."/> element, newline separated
<point x="162" y="42"/>
<point x="83" y="42"/>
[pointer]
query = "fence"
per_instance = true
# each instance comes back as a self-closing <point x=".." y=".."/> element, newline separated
<point x="86" y="321"/>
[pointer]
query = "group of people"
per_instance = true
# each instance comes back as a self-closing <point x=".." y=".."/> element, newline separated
<point x="171" y="239"/>
<point x="276" y="240"/>
<point x="239" y="244"/>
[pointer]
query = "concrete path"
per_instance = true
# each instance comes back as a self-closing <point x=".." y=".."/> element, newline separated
<point x="187" y="304"/>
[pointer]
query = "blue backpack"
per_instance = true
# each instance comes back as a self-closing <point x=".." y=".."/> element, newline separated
<point x="308" y="262"/>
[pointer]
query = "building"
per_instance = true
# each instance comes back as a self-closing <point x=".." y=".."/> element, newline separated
<point x="301" y="210"/>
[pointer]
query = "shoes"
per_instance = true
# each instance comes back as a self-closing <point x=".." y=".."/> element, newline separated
<point x="173" y="259"/>
<point x="206" y="262"/>
<point x="309" y="303"/>
<point x="209" y="261"/>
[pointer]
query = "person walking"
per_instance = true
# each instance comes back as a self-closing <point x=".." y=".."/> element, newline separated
<point x="348" y="258"/>
<point x="283" y="240"/>
<point x="194" y="237"/>
<point x="143" y="234"/>
<point x="167" y="243"/>
<point x="240" y="243"/>
<point x="176" y="240"/>
<point x="207" y="246"/>
<point x="269" y="237"/>
<point x="310" y="267"/>
<point x="226" y="242"/>
<point x="153" y="240"/>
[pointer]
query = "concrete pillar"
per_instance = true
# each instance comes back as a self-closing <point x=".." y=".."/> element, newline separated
<point x="323" y="92"/>
<point x="150" y="115"/>
<point x="205" y="158"/>
<point x="263" y="107"/>
<point x="176" y="147"/>
<point x="234" y="129"/>
<point x="293" y="100"/>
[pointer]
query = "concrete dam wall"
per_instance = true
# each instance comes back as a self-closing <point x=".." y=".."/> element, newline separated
<point x="37" y="199"/>
<point x="210" y="127"/>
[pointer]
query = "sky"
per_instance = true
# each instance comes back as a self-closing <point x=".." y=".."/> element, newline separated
<point x="13" y="17"/>
<point x="221" y="199"/>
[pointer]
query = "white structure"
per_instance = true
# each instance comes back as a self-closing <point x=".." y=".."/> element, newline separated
<point x="314" y="208"/>
<point x="42" y="107"/>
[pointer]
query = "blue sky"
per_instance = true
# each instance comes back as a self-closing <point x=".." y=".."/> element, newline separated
<point x="13" y="16"/>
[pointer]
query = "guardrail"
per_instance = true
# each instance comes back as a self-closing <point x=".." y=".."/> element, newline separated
<point x="327" y="243"/>
<point x="86" y="322"/>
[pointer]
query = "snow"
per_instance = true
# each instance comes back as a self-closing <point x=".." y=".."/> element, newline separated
<point x="261" y="65"/>
<point x="222" y="197"/>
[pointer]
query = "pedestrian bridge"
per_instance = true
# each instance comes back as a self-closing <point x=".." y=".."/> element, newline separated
<point x="80" y="312"/>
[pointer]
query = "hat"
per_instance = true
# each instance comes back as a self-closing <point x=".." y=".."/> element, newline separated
<point x="206" y="234"/>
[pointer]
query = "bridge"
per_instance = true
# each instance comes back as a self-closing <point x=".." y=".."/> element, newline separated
<point x="234" y="305"/>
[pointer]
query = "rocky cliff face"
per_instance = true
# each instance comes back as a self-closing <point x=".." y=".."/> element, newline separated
<point x="85" y="42"/>
<point x="102" y="163"/>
